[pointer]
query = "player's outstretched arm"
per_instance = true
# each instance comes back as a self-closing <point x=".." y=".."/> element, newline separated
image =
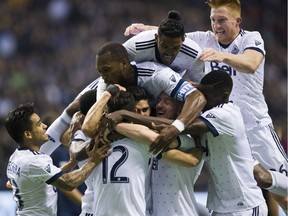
<point x="69" y="181"/>
<point x="136" y="28"/>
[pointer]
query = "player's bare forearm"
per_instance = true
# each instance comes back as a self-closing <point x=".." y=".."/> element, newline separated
<point x="190" y="158"/>
<point x="69" y="166"/>
<point x="197" y="127"/>
<point x="92" y="119"/>
<point x="136" y="118"/>
<point x="192" y="108"/>
<point x="69" y="181"/>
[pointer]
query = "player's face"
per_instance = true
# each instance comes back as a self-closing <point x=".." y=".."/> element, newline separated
<point x="168" y="48"/>
<point x="143" y="107"/>
<point x="167" y="107"/>
<point x="111" y="71"/>
<point x="38" y="132"/>
<point x="225" y="24"/>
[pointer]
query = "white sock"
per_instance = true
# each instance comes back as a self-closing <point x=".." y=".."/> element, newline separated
<point x="279" y="183"/>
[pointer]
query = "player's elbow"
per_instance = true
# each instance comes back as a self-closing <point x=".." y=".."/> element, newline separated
<point x="88" y="130"/>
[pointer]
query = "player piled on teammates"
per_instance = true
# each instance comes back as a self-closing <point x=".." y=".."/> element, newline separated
<point x="32" y="173"/>
<point x="241" y="53"/>
<point x="228" y="152"/>
<point x="169" y="46"/>
<point x="113" y="64"/>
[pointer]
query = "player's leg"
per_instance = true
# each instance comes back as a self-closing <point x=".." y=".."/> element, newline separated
<point x="267" y="149"/>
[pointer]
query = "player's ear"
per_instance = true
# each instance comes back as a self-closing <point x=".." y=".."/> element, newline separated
<point x="156" y="37"/>
<point x="238" y="20"/>
<point x="27" y="135"/>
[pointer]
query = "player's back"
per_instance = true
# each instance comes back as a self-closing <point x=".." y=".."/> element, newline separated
<point x="31" y="192"/>
<point x="119" y="186"/>
<point x="173" y="185"/>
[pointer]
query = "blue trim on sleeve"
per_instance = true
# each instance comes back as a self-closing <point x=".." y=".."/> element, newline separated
<point x="182" y="89"/>
<point x="256" y="49"/>
<point x="210" y="126"/>
<point x="173" y="93"/>
<point x="56" y="176"/>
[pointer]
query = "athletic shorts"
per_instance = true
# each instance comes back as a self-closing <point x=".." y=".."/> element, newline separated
<point x="267" y="149"/>
<point x="260" y="210"/>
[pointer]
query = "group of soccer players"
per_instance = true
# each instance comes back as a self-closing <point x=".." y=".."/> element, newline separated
<point x="205" y="71"/>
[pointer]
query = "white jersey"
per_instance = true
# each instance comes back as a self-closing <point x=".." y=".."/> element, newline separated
<point x="230" y="160"/>
<point x="247" y="92"/>
<point x="55" y="131"/>
<point x="119" y="183"/>
<point x="30" y="173"/>
<point x="173" y="185"/>
<point x="156" y="77"/>
<point x="143" y="47"/>
<point x="88" y="196"/>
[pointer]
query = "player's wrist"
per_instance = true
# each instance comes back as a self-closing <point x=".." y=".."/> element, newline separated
<point x="179" y="125"/>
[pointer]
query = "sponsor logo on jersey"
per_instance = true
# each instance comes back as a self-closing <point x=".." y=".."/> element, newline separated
<point x="172" y="78"/>
<point x="257" y="43"/>
<point x="235" y="50"/>
<point x="210" y="115"/>
<point x="51" y="138"/>
<point x="47" y="168"/>
<point x="227" y="68"/>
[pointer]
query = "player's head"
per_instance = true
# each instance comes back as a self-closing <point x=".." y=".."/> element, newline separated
<point x="142" y="100"/>
<point x="121" y="100"/>
<point x="25" y="126"/>
<point x="168" y="107"/>
<point x="87" y="100"/>
<point x="216" y="86"/>
<point x="225" y="19"/>
<point x="170" y="37"/>
<point x="112" y="62"/>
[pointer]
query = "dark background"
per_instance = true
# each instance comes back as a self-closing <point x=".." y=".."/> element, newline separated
<point x="48" y="48"/>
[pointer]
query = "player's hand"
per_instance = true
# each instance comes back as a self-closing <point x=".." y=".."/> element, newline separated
<point x="194" y="84"/>
<point x="167" y="134"/>
<point x="134" y="29"/>
<point x="112" y="119"/>
<point x="97" y="154"/>
<point x="76" y="123"/>
<point x="210" y="54"/>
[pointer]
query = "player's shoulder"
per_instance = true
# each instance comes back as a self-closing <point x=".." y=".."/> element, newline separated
<point x="245" y="33"/>
<point x="143" y="38"/>
<point x="190" y="47"/>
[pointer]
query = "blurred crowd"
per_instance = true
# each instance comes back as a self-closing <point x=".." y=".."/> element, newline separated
<point x="47" y="49"/>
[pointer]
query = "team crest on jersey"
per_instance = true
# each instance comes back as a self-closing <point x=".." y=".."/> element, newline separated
<point x="47" y="168"/>
<point x="235" y="50"/>
<point x="210" y="115"/>
<point x="172" y="78"/>
<point x="257" y="43"/>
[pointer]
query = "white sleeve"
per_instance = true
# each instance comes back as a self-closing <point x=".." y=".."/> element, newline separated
<point x="41" y="169"/>
<point x="253" y="40"/>
<point x="173" y="84"/>
<point x="92" y="85"/>
<point x="102" y="86"/>
<point x="55" y="131"/>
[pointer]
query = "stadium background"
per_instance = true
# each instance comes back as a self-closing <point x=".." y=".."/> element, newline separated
<point x="47" y="50"/>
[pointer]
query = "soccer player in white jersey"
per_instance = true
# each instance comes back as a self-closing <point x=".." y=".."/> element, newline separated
<point x="32" y="173"/>
<point x="233" y="189"/>
<point x="113" y="64"/>
<point x="169" y="46"/>
<point x="119" y="183"/>
<point x="241" y="53"/>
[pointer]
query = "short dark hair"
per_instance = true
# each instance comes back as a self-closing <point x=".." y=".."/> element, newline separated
<point x="139" y="93"/>
<point x="172" y="26"/>
<point x="87" y="100"/>
<point x="219" y="79"/>
<point x="18" y="121"/>
<point x="117" y="50"/>
<point x="121" y="100"/>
